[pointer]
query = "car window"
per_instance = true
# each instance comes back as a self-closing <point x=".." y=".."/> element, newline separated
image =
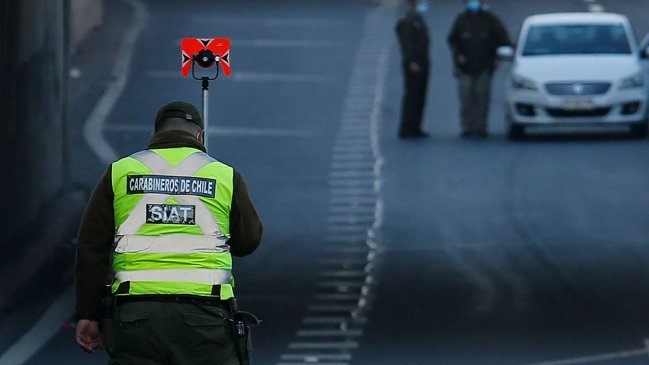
<point x="576" y="39"/>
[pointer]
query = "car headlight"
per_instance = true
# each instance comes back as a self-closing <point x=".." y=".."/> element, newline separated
<point x="522" y="83"/>
<point x="632" y="82"/>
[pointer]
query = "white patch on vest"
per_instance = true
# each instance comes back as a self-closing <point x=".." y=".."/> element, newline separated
<point x="170" y="214"/>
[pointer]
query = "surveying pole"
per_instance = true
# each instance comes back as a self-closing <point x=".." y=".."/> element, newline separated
<point x="206" y="53"/>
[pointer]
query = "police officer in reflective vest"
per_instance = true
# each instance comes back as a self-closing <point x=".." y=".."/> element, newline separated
<point x="169" y="218"/>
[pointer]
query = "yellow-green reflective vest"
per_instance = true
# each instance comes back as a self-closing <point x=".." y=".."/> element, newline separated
<point x="172" y="223"/>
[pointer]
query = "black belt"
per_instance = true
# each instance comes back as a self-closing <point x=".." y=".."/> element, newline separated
<point x="119" y="300"/>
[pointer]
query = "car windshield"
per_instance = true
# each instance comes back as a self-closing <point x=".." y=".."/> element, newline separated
<point x="576" y="39"/>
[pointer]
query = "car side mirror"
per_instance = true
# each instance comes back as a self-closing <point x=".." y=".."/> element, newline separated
<point x="505" y="53"/>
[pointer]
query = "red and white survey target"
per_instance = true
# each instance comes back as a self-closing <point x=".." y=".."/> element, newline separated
<point x="192" y="46"/>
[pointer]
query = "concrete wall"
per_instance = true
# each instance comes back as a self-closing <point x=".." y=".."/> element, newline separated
<point x="32" y="99"/>
<point x="84" y="16"/>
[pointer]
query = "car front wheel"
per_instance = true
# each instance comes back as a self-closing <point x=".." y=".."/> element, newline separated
<point x="515" y="132"/>
<point x="640" y="130"/>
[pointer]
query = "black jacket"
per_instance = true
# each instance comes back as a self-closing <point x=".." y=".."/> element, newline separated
<point x="476" y="36"/>
<point x="97" y="231"/>
<point x="413" y="38"/>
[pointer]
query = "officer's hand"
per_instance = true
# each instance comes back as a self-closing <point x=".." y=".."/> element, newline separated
<point x="414" y="67"/>
<point x="88" y="336"/>
<point x="461" y="59"/>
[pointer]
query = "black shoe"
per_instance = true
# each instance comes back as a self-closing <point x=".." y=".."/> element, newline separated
<point x="474" y="134"/>
<point x="413" y="135"/>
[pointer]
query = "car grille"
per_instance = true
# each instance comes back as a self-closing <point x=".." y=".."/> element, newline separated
<point x="563" y="113"/>
<point x="577" y="88"/>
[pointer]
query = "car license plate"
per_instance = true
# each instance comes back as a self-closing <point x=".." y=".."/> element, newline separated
<point x="579" y="104"/>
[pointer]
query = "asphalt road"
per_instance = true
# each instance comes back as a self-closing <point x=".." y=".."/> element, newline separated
<point x="384" y="251"/>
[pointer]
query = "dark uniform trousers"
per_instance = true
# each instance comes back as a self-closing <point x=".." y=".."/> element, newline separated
<point x="414" y="98"/>
<point x="157" y="333"/>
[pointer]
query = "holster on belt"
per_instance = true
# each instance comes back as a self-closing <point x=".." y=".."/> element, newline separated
<point x="106" y="325"/>
<point x="241" y="323"/>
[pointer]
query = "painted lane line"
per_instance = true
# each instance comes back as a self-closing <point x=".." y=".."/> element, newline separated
<point x="300" y="22"/>
<point x="93" y="130"/>
<point x="341" y="284"/>
<point x="220" y="131"/>
<point x="316" y="357"/>
<point x="343" y="273"/>
<point x="355" y="185"/>
<point x="250" y="77"/>
<point x="310" y="363"/>
<point x="42" y="332"/>
<point x="354" y="199"/>
<point x="360" y="210"/>
<point x="341" y="297"/>
<point x="283" y="43"/>
<point x="333" y="308"/>
<point x="329" y="333"/>
<point x="352" y="219"/>
<point x="334" y="320"/>
<point x="358" y="157"/>
<point x="361" y="248"/>
<point x="597" y="358"/>
<point x="344" y="262"/>
<point x="343" y="345"/>
<point x="596" y="8"/>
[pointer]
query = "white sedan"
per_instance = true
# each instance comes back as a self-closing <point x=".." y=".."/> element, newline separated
<point x="577" y="69"/>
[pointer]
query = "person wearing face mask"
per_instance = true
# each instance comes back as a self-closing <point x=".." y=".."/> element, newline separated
<point x="414" y="41"/>
<point x="473" y="39"/>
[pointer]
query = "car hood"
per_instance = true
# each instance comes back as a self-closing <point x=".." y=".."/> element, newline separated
<point x="577" y="68"/>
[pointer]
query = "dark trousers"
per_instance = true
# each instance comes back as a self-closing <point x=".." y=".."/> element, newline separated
<point x="414" y="99"/>
<point x="475" y="97"/>
<point x="157" y="333"/>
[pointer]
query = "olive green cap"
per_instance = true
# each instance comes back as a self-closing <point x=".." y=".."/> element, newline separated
<point x="179" y="109"/>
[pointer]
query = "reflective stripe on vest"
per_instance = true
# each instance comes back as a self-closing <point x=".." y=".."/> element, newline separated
<point x="172" y="263"/>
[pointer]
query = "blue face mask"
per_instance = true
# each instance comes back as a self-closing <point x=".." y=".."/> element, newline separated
<point x="473" y="6"/>
<point x="422" y="7"/>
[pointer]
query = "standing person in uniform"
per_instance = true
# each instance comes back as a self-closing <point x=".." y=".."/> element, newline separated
<point x="414" y="41"/>
<point x="171" y="217"/>
<point x="474" y="38"/>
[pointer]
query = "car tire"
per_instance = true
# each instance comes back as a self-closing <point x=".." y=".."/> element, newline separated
<point x="640" y="130"/>
<point x="515" y="132"/>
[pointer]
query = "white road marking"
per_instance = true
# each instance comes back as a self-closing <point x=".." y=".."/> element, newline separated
<point x="282" y="43"/>
<point x="332" y="308"/>
<point x="325" y="320"/>
<point x="343" y="345"/>
<point x="250" y="76"/>
<point x="330" y="333"/>
<point x="298" y="22"/>
<point x="355" y="206"/>
<point x="338" y="296"/>
<point x="93" y="130"/>
<point x="42" y="332"/>
<point x="220" y="131"/>
<point x="343" y="273"/>
<point x="596" y="8"/>
<point x="596" y="358"/>
<point x="316" y="357"/>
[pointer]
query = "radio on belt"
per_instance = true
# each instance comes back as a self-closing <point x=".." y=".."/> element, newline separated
<point x="207" y="53"/>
